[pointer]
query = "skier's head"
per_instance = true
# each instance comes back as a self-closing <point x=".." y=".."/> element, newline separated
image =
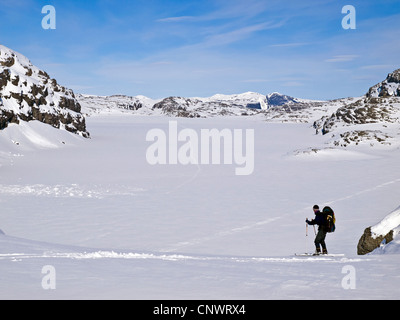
<point x="316" y="208"/>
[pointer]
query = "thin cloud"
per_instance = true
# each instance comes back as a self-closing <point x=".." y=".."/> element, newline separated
<point x="376" y="67"/>
<point x="231" y="10"/>
<point x="285" y="45"/>
<point x="293" y="84"/>
<point x="256" y="80"/>
<point x="177" y="19"/>
<point x="162" y="63"/>
<point x="239" y="34"/>
<point x="343" y="58"/>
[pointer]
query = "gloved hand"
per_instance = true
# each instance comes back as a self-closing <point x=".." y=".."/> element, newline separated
<point x="308" y="221"/>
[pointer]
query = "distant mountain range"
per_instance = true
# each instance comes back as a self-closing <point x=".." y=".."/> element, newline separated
<point x="248" y="103"/>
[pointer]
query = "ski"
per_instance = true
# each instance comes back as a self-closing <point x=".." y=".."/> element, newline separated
<point x="319" y="255"/>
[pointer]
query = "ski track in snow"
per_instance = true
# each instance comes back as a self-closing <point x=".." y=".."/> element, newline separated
<point x="16" y="257"/>
<point x="365" y="191"/>
<point x="68" y="191"/>
<point x="194" y="177"/>
<point x="220" y="234"/>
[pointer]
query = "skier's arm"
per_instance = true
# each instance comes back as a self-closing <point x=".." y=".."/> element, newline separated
<point x="312" y="222"/>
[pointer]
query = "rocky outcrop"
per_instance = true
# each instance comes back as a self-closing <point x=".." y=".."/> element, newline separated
<point x="28" y="93"/>
<point x="390" y="87"/>
<point x="372" y="119"/>
<point x="381" y="234"/>
<point x="178" y="107"/>
<point x="370" y="241"/>
<point x="363" y="111"/>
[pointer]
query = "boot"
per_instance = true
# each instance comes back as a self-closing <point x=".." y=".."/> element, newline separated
<point x="324" y="251"/>
<point x="317" y="252"/>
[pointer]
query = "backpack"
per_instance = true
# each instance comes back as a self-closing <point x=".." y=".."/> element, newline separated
<point x="330" y="219"/>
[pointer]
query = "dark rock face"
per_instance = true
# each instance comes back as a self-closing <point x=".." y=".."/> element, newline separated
<point x="368" y="242"/>
<point x="28" y="93"/>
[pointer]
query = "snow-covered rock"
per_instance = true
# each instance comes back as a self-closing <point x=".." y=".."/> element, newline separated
<point x="277" y="99"/>
<point x="115" y="104"/>
<point x="28" y="93"/>
<point x="390" y="87"/>
<point x="274" y="99"/>
<point x="373" y="119"/>
<point x="390" y="224"/>
<point x="382" y="237"/>
<point x="233" y="105"/>
<point x="365" y="111"/>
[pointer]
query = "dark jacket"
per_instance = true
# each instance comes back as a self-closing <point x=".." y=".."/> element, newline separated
<point x="319" y="220"/>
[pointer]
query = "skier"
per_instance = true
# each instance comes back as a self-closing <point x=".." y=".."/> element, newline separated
<point x="320" y="237"/>
<point x="315" y="126"/>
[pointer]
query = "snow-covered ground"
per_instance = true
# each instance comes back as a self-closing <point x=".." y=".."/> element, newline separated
<point x="92" y="219"/>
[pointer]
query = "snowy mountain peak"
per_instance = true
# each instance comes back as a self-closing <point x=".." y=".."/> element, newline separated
<point x="277" y="99"/>
<point x="28" y="93"/>
<point x="8" y="58"/>
<point x="269" y="95"/>
<point x="390" y="87"/>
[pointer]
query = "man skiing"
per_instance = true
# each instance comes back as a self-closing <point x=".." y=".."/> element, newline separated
<point x="320" y="238"/>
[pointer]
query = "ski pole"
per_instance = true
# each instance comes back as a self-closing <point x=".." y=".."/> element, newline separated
<point x="306" y="234"/>
<point x="314" y="230"/>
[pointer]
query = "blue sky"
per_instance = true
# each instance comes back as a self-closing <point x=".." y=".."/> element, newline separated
<point x="161" y="48"/>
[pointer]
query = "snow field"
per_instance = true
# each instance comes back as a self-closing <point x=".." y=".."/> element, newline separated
<point x="114" y="226"/>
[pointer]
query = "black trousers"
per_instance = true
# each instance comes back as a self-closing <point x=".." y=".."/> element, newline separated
<point x="320" y="239"/>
